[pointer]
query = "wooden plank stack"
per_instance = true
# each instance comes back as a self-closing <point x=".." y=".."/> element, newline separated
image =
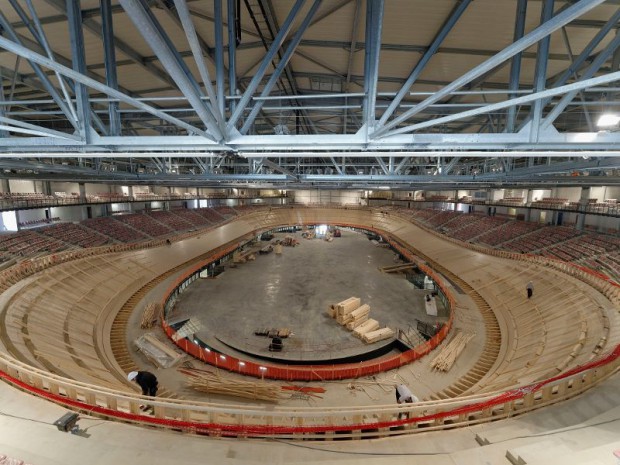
<point x="355" y="317"/>
<point x="448" y="355"/>
<point x="213" y="383"/>
<point x="378" y="335"/>
<point x="150" y="315"/>
<point x="366" y="327"/>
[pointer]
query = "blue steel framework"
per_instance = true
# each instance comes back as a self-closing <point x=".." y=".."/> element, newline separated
<point x="226" y="131"/>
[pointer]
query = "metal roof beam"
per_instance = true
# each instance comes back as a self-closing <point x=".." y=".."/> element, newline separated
<point x="612" y="77"/>
<point x="271" y="53"/>
<point x="281" y="65"/>
<point x="65" y="71"/>
<point x="601" y="58"/>
<point x="515" y="65"/>
<point x="570" y="13"/>
<point x="447" y="26"/>
<point x="374" y="25"/>
<point x="540" y="73"/>
<point x="149" y="28"/>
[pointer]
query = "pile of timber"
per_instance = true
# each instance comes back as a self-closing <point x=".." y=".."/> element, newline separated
<point x="397" y="268"/>
<point x="213" y="383"/>
<point x="378" y="335"/>
<point x="448" y="355"/>
<point x="150" y="315"/>
<point x="355" y="317"/>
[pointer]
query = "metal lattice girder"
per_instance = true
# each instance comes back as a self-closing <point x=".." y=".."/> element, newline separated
<point x="150" y="30"/>
<point x="447" y="26"/>
<point x="540" y="73"/>
<point x="79" y="64"/>
<point x="6" y="26"/>
<point x="43" y="61"/>
<point x="281" y="65"/>
<point x="107" y="32"/>
<point x="526" y="41"/>
<point x="258" y="76"/>
<point x="515" y="68"/>
<point x="197" y="53"/>
<point x="574" y="87"/>
<point x="374" y="24"/>
<point x="601" y="58"/>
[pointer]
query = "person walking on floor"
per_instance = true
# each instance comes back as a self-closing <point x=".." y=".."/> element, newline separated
<point x="147" y="382"/>
<point x="530" y="289"/>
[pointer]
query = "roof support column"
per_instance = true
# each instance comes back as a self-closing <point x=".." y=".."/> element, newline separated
<point x="374" y="23"/>
<point x="107" y="34"/>
<point x="515" y="67"/>
<point x="74" y="15"/>
<point x="219" y="56"/>
<point x="234" y="36"/>
<point x="540" y="74"/>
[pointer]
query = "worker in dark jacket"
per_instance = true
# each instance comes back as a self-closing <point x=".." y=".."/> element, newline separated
<point x="147" y="381"/>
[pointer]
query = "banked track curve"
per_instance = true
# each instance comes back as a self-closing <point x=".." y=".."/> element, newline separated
<point x="255" y="222"/>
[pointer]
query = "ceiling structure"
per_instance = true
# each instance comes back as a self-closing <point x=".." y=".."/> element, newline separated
<point x="404" y="94"/>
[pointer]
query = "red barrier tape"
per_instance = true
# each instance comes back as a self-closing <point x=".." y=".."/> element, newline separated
<point x="217" y="429"/>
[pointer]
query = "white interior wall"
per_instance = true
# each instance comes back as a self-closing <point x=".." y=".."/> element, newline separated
<point x="66" y="187"/>
<point x="22" y="186"/>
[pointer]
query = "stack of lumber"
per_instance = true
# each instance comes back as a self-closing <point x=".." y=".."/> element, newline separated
<point x="213" y="383"/>
<point x="343" y="308"/>
<point x="448" y="355"/>
<point x="150" y="315"/>
<point x="366" y="327"/>
<point x="356" y="317"/>
<point x="397" y="268"/>
<point x="377" y="335"/>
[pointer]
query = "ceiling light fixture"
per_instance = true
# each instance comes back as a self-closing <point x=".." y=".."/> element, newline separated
<point x="608" y="120"/>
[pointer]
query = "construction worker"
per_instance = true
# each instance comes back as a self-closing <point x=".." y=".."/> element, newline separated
<point x="147" y="382"/>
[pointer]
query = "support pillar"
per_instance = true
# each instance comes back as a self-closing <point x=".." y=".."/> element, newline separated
<point x="5" y="186"/>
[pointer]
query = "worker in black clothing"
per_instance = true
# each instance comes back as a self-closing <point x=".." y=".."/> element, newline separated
<point x="147" y="381"/>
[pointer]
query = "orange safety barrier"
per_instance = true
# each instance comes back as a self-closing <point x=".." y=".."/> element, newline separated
<point x="305" y="372"/>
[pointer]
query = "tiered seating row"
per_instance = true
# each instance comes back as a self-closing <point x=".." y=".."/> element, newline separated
<point x="146" y="224"/>
<point x="541" y="239"/>
<point x="75" y="234"/>
<point x="172" y="220"/>
<point x="25" y="243"/>
<point x="507" y="232"/>
<point x="115" y="229"/>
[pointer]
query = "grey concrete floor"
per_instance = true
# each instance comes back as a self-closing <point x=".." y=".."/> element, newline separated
<point x="388" y="294"/>
<point x="293" y="290"/>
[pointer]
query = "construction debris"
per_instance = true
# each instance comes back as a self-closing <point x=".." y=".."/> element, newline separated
<point x="150" y="315"/>
<point x="274" y="332"/>
<point x="397" y="268"/>
<point x="191" y="327"/>
<point x="213" y="383"/>
<point x="157" y="351"/>
<point x="448" y="355"/>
